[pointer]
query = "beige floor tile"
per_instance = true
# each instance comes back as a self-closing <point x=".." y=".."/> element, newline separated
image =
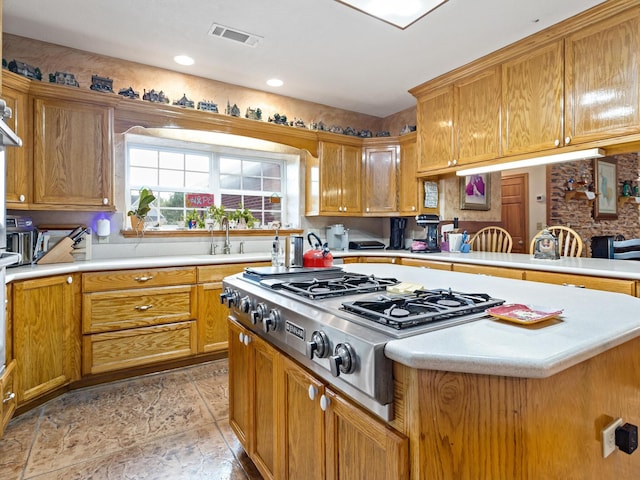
<point x="16" y="444"/>
<point x="193" y="455"/>
<point x="106" y="419"/>
<point x="212" y="381"/>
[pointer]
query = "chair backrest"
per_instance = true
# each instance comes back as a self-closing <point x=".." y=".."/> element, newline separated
<point x="569" y="242"/>
<point x="492" y="239"/>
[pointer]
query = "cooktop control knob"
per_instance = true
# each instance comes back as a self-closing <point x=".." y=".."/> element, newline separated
<point x="272" y="321"/>
<point x="245" y="304"/>
<point x="231" y="296"/>
<point x="343" y="360"/>
<point x="319" y="345"/>
<point x="258" y="313"/>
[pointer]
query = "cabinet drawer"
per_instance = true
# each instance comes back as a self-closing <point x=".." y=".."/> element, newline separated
<point x="154" y="277"/>
<point x="491" y="271"/>
<point x="215" y="273"/>
<point x="108" y="311"/>
<point x="104" y="352"/>
<point x="596" y="283"/>
<point x="413" y="262"/>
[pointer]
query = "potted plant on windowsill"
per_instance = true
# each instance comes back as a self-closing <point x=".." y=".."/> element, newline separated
<point x="214" y="216"/>
<point x="139" y="213"/>
<point x="243" y="217"/>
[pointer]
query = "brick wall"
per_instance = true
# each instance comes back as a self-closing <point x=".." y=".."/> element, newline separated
<point x="578" y="213"/>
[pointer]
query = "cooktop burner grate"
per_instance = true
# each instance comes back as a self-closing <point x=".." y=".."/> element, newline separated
<point x="347" y="284"/>
<point x="420" y="307"/>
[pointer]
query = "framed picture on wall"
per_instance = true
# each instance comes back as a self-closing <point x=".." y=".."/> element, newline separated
<point x="606" y="184"/>
<point x="475" y="192"/>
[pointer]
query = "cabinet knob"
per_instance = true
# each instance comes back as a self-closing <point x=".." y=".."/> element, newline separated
<point x="454" y="162"/>
<point x="105" y="201"/>
<point x="241" y="337"/>
<point x="247" y="340"/>
<point x="448" y="163"/>
<point x="22" y="198"/>
<point x="313" y="391"/>
<point x="8" y="397"/>
<point x="557" y="142"/>
<point x="69" y="280"/>
<point x="367" y="209"/>
<point x="567" y="140"/>
<point x="324" y="402"/>
<point x="144" y="278"/>
<point x="143" y="308"/>
<point x="413" y="208"/>
<point x="344" y="209"/>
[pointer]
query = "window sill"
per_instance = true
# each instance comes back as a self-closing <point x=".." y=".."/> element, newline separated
<point x="200" y="232"/>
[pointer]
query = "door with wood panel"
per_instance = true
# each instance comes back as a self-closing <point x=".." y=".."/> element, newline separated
<point x="515" y="210"/>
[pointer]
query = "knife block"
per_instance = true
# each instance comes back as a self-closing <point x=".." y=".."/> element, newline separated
<point x="60" y="253"/>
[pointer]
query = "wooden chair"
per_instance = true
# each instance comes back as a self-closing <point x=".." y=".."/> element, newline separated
<point x="492" y="239"/>
<point x="569" y="242"/>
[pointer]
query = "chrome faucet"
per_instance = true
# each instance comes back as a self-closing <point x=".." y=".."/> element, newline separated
<point x="224" y="223"/>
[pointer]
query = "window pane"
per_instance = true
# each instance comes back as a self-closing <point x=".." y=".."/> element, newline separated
<point x="271" y="169"/>
<point x="171" y="178"/>
<point x="252" y="183"/>
<point x="231" y="202"/>
<point x="230" y="165"/>
<point x="230" y="182"/>
<point x="271" y="217"/>
<point x="198" y="181"/>
<point x="197" y="163"/>
<point x="143" y="158"/>
<point x="171" y="199"/>
<point x="252" y="202"/>
<point x="252" y="169"/>
<point x="272" y="185"/>
<point x="172" y="160"/>
<point x="143" y="176"/>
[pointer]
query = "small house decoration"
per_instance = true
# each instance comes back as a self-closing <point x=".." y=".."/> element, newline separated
<point x="336" y="129"/>
<point x="101" y="84"/>
<point x="184" y="102"/>
<point x="278" y="119"/>
<point x="63" y="78"/>
<point x="253" y="114"/>
<point x="383" y="133"/>
<point x="208" y="106"/>
<point x="320" y="126"/>
<point x="128" y="92"/>
<point x="350" y="131"/>
<point x="298" y="123"/>
<point x="365" y="134"/>
<point x="233" y="111"/>
<point x="407" y="129"/>
<point x="155" y="97"/>
<point x="25" y="70"/>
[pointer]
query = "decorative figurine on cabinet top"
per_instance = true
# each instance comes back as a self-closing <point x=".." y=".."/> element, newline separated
<point x="155" y="97"/>
<point x="25" y="70"/>
<point x="184" y="102"/>
<point x="208" y="106"/>
<point x="128" y="92"/>
<point x="63" y="78"/>
<point x="101" y="84"/>
<point x="233" y="111"/>
<point x="278" y="119"/>
<point x="253" y="114"/>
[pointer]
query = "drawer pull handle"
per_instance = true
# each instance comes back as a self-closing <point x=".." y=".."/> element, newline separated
<point x="143" y="278"/>
<point x="142" y="308"/>
<point x="10" y="396"/>
<point x="572" y="285"/>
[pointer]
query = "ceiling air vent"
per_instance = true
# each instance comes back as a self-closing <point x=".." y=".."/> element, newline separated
<point x="234" y="34"/>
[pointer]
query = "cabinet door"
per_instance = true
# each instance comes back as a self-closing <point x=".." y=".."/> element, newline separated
<point x="264" y="414"/>
<point x="408" y="201"/>
<point x="72" y="154"/>
<point x="240" y="374"/>
<point x="212" y="319"/>
<point x="46" y="334"/>
<point x="18" y="183"/>
<point x="8" y="398"/>
<point x="330" y="177"/>
<point x="302" y="422"/>
<point x="361" y="447"/>
<point x="602" y="79"/>
<point x="435" y="129"/>
<point x="351" y="180"/>
<point x="380" y="173"/>
<point x="477" y="116"/>
<point x="532" y="100"/>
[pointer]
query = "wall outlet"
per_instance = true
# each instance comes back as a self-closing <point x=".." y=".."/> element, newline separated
<point x="609" y="437"/>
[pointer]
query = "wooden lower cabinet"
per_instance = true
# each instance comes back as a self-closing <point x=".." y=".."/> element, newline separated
<point x="275" y="402"/>
<point x="9" y="400"/>
<point x="46" y="334"/>
<point x="583" y="281"/>
<point x="487" y="270"/>
<point x="412" y="262"/>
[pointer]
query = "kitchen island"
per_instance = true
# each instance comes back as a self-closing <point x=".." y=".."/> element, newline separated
<point x="495" y="399"/>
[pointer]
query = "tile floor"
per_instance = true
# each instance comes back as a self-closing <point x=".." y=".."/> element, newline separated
<point x="169" y="425"/>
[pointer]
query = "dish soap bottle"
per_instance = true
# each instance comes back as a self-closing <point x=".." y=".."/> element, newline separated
<point x="277" y="252"/>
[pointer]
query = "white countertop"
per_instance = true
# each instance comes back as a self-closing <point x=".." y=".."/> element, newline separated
<point x="592" y="322"/>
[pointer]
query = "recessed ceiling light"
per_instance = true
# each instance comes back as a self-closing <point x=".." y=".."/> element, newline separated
<point x="183" y="60"/>
<point x="399" y="14"/>
<point x="275" y="82"/>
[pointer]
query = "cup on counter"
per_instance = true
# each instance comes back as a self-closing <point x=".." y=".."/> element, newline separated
<point x="455" y="242"/>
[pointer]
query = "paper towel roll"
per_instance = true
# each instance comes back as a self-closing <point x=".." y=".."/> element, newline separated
<point x="455" y="242"/>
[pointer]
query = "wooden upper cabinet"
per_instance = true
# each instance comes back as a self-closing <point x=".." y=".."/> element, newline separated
<point x="18" y="166"/>
<point x="532" y="100"/>
<point x="435" y="129"/>
<point x="602" y="79"/>
<point x="380" y="180"/>
<point x="477" y="117"/>
<point x="72" y="150"/>
<point x="340" y="179"/>
<point x="408" y="201"/>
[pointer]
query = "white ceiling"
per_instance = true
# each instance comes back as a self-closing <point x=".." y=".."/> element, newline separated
<point x="324" y="51"/>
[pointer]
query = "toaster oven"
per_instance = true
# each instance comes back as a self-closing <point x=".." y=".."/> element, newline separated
<point x="21" y="238"/>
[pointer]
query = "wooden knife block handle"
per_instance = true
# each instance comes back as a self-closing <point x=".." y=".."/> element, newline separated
<point x="60" y="253"/>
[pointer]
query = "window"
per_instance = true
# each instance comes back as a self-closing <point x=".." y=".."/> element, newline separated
<point x="184" y="179"/>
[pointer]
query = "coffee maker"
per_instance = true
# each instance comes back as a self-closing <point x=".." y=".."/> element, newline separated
<point x="430" y="243"/>
<point x="396" y="242"/>
<point x="337" y="237"/>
